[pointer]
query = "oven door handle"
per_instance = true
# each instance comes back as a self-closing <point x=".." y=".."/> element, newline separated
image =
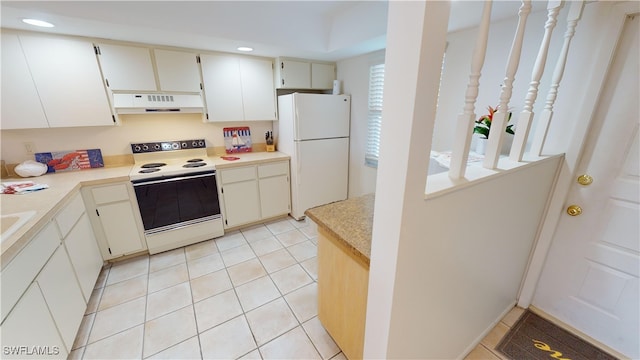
<point x="172" y="179"/>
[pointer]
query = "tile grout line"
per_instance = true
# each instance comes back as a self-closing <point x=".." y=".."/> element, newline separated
<point x="233" y="286"/>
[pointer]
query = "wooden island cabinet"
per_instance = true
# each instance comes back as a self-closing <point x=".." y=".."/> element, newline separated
<point x="344" y="249"/>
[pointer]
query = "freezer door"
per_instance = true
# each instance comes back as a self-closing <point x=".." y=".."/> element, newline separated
<point x="321" y="173"/>
<point x="320" y="116"/>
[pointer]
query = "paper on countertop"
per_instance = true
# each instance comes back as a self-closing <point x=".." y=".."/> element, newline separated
<point x="21" y="187"/>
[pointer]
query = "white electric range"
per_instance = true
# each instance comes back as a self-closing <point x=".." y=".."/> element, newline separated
<point x="176" y="191"/>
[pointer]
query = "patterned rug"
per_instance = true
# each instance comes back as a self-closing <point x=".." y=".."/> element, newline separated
<point x="535" y="338"/>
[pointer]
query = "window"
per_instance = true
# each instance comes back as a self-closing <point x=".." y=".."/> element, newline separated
<point x="374" y="120"/>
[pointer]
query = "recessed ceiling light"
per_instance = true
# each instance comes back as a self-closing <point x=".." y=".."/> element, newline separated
<point x="36" y="22"/>
<point x="245" y="48"/>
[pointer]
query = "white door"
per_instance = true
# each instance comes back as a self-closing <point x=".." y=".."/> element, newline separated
<point x="590" y="278"/>
<point x="322" y="173"/>
<point x="321" y="116"/>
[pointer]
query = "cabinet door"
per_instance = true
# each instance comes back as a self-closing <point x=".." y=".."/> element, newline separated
<point x="239" y="195"/>
<point x="30" y="325"/>
<point x="258" y="92"/>
<point x="222" y="86"/>
<point x="21" y="107"/>
<point x="127" y="67"/>
<point x="274" y="196"/>
<point x="322" y="76"/>
<point x="68" y="80"/>
<point x="295" y="74"/>
<point x="85" y="255"/>
<point x="120" y="228"/>
<point x="23" y="269"/>
<point x="63" y="296"/>
<point x="177" y="71"/>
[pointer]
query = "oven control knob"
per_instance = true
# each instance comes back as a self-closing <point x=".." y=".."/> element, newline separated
<point x="175" y="146"/>
<point x="145" y="147"/>
<point x="194" y="144"/>
<point x="201" y="143"/>
<point x="156" y="146"/>
<point x="184" y="145"/>
<point x="137" y="148"/>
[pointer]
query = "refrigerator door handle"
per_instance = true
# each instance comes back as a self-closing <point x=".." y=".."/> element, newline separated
<point x="298" y="163"/>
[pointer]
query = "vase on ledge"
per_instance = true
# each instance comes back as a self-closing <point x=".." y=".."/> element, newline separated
<point x="481" y="145"/>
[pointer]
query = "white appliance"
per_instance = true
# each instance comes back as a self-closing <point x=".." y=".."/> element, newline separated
<point x="314" y="130"/>
<point x="157" y="103"/>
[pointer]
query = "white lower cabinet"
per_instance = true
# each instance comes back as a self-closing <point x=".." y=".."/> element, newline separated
<point x="62" y="295"/>
<point x="239" y="190"/>
<point x="275" y="189"/>
<point x="84" y="254"/>
<point x="80" y="243"/>
<point x="29" y="331"/>
<point x="115" y="218"/>
<point x="255" y="192"/>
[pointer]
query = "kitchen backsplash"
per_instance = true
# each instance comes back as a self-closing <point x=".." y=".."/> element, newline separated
<point x="116" y="140"/>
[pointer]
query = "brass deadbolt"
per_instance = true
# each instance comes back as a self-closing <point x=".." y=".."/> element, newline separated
<point x="574" y="210"/>
<point x="585" y="179"/>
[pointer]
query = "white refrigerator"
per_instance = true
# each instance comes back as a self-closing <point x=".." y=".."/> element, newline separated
<point x="314" y="130"/>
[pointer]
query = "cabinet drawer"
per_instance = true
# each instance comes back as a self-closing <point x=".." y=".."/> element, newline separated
<point x="111" y="193"/>
<point x="279" y="168"/>
<point x="17" y="276"/>
<point x="69" y="215"/>
<point x="240" y="174"/>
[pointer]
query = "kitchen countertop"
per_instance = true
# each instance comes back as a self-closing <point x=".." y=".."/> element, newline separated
<point x="349" y="221"/>
<point x="62" y="186"/>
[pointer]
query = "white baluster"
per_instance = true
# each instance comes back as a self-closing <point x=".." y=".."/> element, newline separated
<point x="524" y="121"/>
<point x="500" y="118"/>
<point x="464" y="127"/>
<point x="575" y="12"/>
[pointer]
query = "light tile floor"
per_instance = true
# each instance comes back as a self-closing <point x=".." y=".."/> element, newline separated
<point x="486" y="350"/>
<point x="250" y="294"/>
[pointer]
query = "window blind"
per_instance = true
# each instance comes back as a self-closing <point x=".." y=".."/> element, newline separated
<point x="374" y="120"/>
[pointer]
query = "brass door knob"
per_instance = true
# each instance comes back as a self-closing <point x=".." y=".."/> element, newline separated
<point x="585" y="180"/>
<point x="574" y="210"/>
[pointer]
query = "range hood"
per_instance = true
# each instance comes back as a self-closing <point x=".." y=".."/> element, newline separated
<point x="157" y="103"/>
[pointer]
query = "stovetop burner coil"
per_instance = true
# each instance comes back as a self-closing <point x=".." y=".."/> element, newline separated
<point x="152" y="165"/>
<point x="149" y="170"/>
<point x="194" y="164"/>
<point x="194" y="160"/>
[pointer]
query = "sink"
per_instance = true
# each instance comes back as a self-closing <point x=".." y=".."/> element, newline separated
<point x="12" y="222"/>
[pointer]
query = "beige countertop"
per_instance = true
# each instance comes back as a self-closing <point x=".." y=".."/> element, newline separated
<point x="349" y="221"/>
<point x="62" y="186"/>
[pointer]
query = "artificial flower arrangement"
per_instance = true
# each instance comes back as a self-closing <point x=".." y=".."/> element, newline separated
<point x="483" y="124"/>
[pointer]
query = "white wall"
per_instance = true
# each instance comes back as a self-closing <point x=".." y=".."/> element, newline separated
<point x="115" y="140"/>
<point x="354" y="74"/>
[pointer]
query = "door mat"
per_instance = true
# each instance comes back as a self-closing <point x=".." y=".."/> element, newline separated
<point x="535" y="338"/>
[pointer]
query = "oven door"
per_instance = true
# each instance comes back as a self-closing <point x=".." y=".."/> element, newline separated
<point x="168" y="203"/>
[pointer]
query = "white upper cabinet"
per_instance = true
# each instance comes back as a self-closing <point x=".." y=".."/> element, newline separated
<point x="131" y="68"/>
<point x="177" y="70"/>
<point x="258" y="92"/>
<point x="304" y="74"/>
<point x="21" y="107"/>
<point x="223" y="91"/>
<point x="127" y="67"/>
<point x="294" y="74"/>
<point x="67" y="81"/>
<point x="238" y="88"/>
<point x="322" y="75"/>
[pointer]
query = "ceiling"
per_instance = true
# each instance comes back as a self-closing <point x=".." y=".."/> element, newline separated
<point x="321" y="30"/>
